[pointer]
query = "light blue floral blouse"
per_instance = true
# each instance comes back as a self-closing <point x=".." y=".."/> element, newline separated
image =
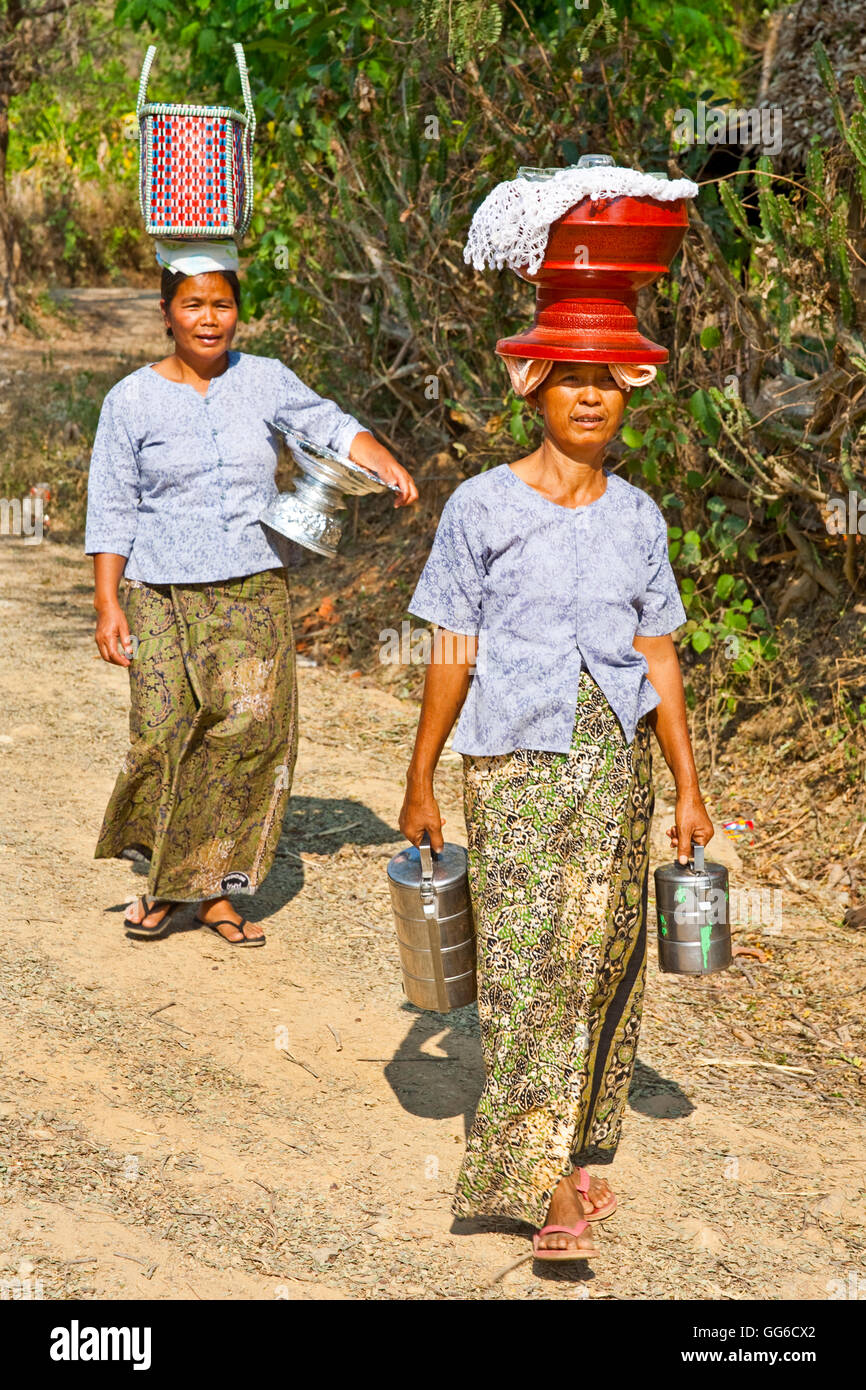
<point x="178" y="481"/>
<point x="546" y="588"/>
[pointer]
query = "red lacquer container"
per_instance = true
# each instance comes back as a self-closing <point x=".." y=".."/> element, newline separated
<point x="599" y="254"/>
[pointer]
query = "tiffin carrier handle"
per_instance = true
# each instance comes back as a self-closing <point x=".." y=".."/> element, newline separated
<point x="428" y="895"/>
<point x="428" y="902"/>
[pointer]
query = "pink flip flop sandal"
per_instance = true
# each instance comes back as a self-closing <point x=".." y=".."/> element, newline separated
<point x="600" y="1213"/>
<point x="576" y="1230"/>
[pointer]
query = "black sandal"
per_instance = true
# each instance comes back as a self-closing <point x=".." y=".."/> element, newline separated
<point x="144" y="933"/>
<point x="239" y="926"/>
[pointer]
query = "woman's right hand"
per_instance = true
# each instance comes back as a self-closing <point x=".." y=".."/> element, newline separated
<point x="420" y="812"/>
<point x="112" y="631"/>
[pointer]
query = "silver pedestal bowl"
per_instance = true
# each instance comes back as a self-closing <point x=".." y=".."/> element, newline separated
<point x="309" y="514"/>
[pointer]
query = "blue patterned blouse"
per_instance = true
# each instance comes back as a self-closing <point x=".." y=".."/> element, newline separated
<point x="545" y="588"/>
<point x="178" y="480"/>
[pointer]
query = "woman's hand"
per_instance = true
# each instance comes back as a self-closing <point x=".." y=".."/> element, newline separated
<point x="367" y="451"/>
<point x="111" y="629"/>
<point x="420" y="812"/>
<point x="111" y="624"/>
<point x="390" y="471"/>
<point x="693" y="824"/>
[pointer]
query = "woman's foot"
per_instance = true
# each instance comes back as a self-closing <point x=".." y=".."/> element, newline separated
<point x="566" y="1209"/>
<point x="145" y="918"/>
<point x="220" y="911"/>
<point x="599" y="1195"/>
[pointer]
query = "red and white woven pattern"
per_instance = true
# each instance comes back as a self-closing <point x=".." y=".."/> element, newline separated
<point x="190" y="179"/>
<point x="196" y="177"/>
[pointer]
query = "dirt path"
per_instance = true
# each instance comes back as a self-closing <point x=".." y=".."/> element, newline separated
<point x="177" y="1119"/>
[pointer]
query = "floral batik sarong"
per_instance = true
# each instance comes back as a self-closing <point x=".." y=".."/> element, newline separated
<point x="213" y="730"/>
<point x="558" y="866"/>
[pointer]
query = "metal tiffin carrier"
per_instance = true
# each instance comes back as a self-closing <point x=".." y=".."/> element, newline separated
<point x="694" y="933"/>
<point x="435" y="931"/>
<point x="310" y="514"/>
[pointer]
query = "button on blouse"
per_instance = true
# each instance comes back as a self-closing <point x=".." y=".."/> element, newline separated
<point x="547" y="589"/>
<point x="179" y="480"/>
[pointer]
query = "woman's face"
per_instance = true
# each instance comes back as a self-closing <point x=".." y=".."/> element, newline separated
<point x="202" y="315"/>
<point x="582" y="405"/>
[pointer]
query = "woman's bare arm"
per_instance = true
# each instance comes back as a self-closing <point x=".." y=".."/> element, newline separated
<point x="111" y="624"/>
<point x="670" y="724"/>
<point x="445" y="688"/>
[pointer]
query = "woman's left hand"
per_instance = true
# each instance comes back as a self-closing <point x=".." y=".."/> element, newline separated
<point x="367" y="451"/>
<point x="693" y="825"/>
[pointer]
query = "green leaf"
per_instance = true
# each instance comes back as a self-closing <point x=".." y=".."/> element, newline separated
<point x="724" y="586"/>
<point x="711" y="336"/>
<point x="664" y="55"/>
<point x="208" y="40"/>
<point x="633" y="438"/>
<point x="701" y="640"/>
<point x="518" y="430"/>
<point x="769" y="649"/>
<point x="650" y="470"/>
<point x="701" y="408"/>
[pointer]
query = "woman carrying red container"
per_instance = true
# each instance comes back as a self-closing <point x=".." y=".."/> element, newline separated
<point x="550" y="584"/>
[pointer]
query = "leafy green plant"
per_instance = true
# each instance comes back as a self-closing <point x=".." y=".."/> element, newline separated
<point x="382" y="127"/>
<point x="468" y="27"/>
<point x="728" y="618"/>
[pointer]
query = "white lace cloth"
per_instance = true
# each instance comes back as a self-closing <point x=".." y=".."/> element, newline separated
<point x="512" y="224"/>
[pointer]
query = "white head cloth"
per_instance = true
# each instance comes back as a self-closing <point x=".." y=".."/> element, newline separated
<point x="511" y="226"/>
<point x="197" y="257"/>
<point x="527" y="374"/>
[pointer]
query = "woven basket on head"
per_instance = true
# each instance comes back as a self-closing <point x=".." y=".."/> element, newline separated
<point x="195" y="163"/>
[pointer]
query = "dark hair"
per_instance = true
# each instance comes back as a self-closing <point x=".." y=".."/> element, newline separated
<point x="173" y="279"/>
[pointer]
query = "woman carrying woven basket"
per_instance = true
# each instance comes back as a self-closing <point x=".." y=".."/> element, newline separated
<point x="192" y="596"/>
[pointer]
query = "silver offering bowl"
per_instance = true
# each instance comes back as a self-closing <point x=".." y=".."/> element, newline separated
<point x="309" y="514"/>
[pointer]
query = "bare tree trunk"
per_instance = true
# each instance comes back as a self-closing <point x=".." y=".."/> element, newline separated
<point x="8" y="258"/>
<point x="29" y="30"/>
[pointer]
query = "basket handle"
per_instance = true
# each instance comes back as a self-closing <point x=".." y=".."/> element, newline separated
<point x="240" y="58"/>
<point x="249" y="109"/>
<point x="145" y="74"/>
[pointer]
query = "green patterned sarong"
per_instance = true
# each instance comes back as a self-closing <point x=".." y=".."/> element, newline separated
<point x="558" y="867"/>
<point x="213" y="731"/>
